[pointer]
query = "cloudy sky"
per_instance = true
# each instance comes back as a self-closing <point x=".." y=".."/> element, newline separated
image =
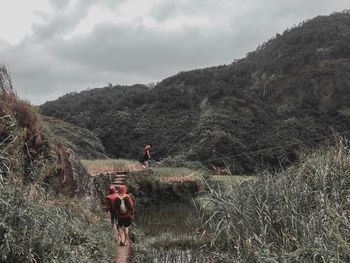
<point x="53" y="47"/>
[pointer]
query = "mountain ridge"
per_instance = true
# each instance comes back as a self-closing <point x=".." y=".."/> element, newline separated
<point x="294" y="87"/>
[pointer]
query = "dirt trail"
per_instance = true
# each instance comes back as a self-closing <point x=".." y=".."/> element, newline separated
<point x="122" y="254"/>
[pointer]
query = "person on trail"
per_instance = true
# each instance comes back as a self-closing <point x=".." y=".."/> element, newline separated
<point x="110" y="207"/>
<point x="146" y="154"/>
<point x="110" y="200"/>
<point x="124" y="205"/>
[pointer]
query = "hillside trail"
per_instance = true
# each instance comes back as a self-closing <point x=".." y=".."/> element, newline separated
<point x="122" y="253"/>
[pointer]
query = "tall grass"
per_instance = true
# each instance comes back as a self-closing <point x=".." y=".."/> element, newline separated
<point x="42" y="229"/>
<point x="298" y="215"/>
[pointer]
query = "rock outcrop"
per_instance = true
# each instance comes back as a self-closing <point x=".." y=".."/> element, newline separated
<point x="73" y="179"/>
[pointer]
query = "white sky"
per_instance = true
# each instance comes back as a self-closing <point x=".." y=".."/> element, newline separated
<point x="57" y="46"/>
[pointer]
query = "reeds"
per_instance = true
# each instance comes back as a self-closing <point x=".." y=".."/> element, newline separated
<point x="298" y="215"/>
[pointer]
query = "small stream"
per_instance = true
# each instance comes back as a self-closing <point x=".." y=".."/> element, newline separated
<point x="173" y="233"/>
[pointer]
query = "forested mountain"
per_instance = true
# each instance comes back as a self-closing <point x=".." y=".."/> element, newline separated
<point x="291" y="89"/>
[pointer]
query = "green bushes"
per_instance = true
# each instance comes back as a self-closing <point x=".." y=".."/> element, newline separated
<point x="38" y="230"/>
<point x="299" y="215"/>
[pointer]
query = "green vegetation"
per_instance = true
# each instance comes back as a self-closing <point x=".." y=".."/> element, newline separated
<point x="170" y="171"/>
<point x="227" y="182"/>
<point x="25" y="149"/>
<point x="179" y="236"/>
<point x="82" y="141"/>
<point x="153" y="188"/>
<point x="298" y="215"/>
<point x="41" y="228"/>
<point x="167" y="223"/>
<point x="38" y="223"/>
<point x="291" y="92"/>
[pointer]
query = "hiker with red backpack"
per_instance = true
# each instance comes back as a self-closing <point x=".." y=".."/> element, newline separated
<point x="110" y="207"/>
<point x="124" y="206"/>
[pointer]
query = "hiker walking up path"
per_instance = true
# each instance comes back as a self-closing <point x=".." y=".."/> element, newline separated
<point x="146" y="155"/>
<point x="125" y="212"/>
<point x="124" y="208"/>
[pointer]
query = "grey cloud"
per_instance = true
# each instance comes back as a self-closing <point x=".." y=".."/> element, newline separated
<point x="45" y="66"/>
<point x="147" y="51"/>
<point x="64" y="21"/>
<point x="59" y="4"/>
<point x="3" y="44"/>
<point x="170" y="8"/>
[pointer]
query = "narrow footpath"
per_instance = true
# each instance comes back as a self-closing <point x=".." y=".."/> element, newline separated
<point x="122" y="253"/>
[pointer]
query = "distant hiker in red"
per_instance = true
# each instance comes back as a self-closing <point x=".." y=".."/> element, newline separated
<point x="125" y="212"/>
<point x="110" y="206"/>
<point x="146" y="154"/>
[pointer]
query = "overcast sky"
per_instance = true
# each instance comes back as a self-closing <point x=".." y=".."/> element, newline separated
<point x="53" y="47"/>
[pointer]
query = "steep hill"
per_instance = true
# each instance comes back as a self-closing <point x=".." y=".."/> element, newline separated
<point x="293" y="88"/>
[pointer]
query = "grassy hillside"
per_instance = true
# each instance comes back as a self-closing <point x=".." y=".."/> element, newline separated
<point x="293" y="88"/>
<point x="45" y="217"/>
<point x="81" y="141"/>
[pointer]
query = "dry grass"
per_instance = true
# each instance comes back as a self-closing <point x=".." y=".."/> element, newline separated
<point x="101" y="166"/>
